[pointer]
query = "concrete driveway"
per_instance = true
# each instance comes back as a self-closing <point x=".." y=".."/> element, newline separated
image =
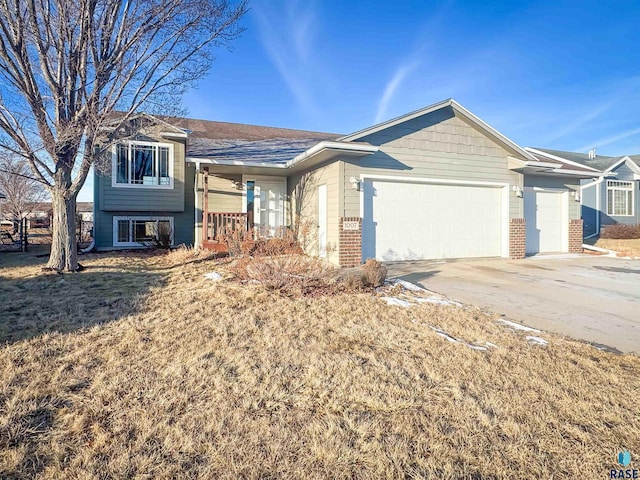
<point x="590" y="298"/>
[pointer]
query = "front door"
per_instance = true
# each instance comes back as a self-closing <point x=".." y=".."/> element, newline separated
<point x="268" y="207"/>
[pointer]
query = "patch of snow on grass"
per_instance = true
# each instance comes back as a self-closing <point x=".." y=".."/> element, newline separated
<point x="396" y="301"/>
<point x="536" y="340"/>
<point x="451" y="339"/>
<point x="436" y="300"/>
<point x="517" y="326"/>
<point x="407" y="285"/>
<point x="214" y="276"/>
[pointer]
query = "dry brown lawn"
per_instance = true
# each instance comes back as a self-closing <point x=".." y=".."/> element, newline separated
<point x="625" y="248"/>
<point x="139" y="368"/>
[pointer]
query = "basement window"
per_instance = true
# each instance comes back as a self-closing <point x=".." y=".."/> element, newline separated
<point x="619" y="198"/>
<point x="143" y="164"/>
<point x="142" y="231"/>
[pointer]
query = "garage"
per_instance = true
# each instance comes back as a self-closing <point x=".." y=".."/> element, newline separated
<point x="411" y="220"/>
<point x="546" y="213"/>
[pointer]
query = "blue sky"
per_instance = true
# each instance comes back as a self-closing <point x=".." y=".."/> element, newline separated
<point x="562" y="75"/>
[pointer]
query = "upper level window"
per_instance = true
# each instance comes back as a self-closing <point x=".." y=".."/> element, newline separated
<point x="146" y="164"/>
<point x="619" y="198"/>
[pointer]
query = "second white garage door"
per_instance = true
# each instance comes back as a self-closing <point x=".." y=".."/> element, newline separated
<point x="410" y="221"/>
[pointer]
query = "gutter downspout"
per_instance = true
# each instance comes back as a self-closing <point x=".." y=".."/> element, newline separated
<point x="598" y="202"/>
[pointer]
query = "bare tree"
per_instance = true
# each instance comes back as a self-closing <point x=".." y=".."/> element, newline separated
<point x="66" y="66"/>
<point x="23" y="192"/>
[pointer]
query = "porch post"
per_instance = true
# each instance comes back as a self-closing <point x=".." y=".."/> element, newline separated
<point x="205" y="210"/>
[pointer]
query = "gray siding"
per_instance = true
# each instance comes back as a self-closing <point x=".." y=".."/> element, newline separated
<point x="147" y="199"/>
<point x="624" y="173"/>
<point x="562" y="183"/>
<point x="439" y="146"/>
<point x="223" y="196"/>
<point x="182" y="227"/>
<point x="302" y="193"/>
<point x="177" y="202"/>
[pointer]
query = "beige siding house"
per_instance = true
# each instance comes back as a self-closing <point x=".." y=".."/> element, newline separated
<point x="435" y="183"/>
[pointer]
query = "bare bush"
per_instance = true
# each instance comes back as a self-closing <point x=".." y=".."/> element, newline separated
<point x="621" y="232"/>
<point x="186" y="254"/>
<point x="374" y="273"/>
<point x="370" y="275"/>
<point x="290" y="274"/>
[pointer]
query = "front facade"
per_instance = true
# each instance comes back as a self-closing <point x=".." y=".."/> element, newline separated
<point x="436" y="183"/>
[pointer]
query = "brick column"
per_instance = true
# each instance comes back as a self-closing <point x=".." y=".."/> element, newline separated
<point x="517" y="238"/>
<point x="350" y="242"/>
<point x="575" y="235"/>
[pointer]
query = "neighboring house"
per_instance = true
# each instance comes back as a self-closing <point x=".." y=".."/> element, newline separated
<point x="435" y="183"/>
<point x="611" y="196"/>
<point x="85" y="211"/>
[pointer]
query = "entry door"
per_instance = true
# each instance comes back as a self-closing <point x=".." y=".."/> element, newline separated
<point x="544" y="212"/>
<point x="269" y="207"/>
<point x="322" y="220"/>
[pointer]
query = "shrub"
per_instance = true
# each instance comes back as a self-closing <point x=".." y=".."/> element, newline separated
<point x="184" y="254"/>
<point x="254" y="243"/>
<point x="374" y="273"/>
<point x="370" y="275"/>
<point x="290" y="274"/>
<point x="621" y="232"/>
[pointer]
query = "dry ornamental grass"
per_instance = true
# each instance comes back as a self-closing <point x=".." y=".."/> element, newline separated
<point x="140" y="367"/>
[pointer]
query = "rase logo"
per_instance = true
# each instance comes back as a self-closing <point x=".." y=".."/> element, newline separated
<point x="624" y="459"/>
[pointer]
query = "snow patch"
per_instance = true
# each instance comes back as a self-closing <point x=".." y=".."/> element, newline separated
<point x="436" y="300"/>
<point x="407" y="285"/>
<point x="536" y="340"/>
<point x="451" y="339"/>
<point x="214" y="276"/>
<point x="517" y="326"/>
<point x="396" y="301"/>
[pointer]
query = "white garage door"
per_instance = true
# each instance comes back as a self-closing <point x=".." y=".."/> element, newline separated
<point x="410" y="221"/>
<point x="546" y="229"/>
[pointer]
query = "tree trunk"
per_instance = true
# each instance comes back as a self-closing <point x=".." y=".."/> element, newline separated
<point x="64" y="253"/>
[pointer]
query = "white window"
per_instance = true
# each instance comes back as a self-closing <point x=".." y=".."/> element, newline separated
<point x="143" y="164"/>
<point x="619" y="198"/>
<point x="142" y="231"/>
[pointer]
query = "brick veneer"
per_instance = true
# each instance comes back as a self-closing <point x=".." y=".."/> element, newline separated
<point x="517" y="238"/>
<point x="350" y="243"/>
<point x="575" y="235"/>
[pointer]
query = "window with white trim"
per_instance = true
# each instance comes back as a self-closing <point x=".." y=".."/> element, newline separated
<point x="140" y="231"/>
<point x="619" y="198"/>
<point x="147" y="164"/>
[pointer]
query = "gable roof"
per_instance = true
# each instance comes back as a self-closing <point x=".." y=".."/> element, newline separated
<point x="568" y="164"/>
<point x="600" y="162"/>
<point x="459" y="110"/>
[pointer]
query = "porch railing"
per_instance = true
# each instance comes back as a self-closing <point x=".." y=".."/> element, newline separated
<point x="215" y="223"/>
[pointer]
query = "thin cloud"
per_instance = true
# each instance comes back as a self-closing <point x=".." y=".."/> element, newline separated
<point x="399" y="76"/>
<point x="577" y="125"/>
<point x="609" y="140"/>
<point x="288" y="36"/>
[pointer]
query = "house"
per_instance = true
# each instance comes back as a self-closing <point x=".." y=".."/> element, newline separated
<point x="609" y="198"/>
<point x="435" y="183"/>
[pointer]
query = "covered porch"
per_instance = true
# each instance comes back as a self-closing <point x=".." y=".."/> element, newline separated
<point x="239" y="205"/>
